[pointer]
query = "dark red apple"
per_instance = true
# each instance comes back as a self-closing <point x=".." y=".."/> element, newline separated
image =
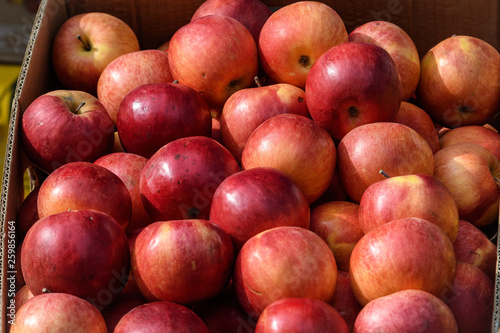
<point x="283" y="262"/>
<point x="473" y="246"/>
<point x="353" y="84"/>
<point x="27" y="214"/>
<point x="406" y="311"/>
<point x="344" y="300"/>
<point x="165" y="317"/>
<point x="128" y="167"/>
<point x="296" y="145"/>
<point x="180" y="179"/>
<point x="251" y="201"/>
<point x="251" y="13"/>
<point x="471" y="299"/>
<point x="182" y="261"/>
<point x="152" y="115"/>
<point x="122" y="305"/>
<point x="83" y="185"/>
<point x="65" y="126"/>
<point x="408" y="253"/>
<point x="58" y="312"/>
<point x="300" y="315"/>
<point x="80" y="252"/>
<point x="481" y="135"/>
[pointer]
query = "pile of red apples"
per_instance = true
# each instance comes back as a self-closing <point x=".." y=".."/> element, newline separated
<point x="263" y="171"/>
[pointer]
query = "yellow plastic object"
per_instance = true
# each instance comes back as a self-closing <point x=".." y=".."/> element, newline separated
<point x="8" y="78"/>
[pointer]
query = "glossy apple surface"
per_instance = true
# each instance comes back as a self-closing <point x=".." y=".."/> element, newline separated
<point x="395" y="148"/>
<point x="408" y="253"/>
<point x="353" y="84"/>
<point x="78" y="252"/>
<point x="85" y="44"/>
<point x="297" y="146"/>
<point x="180" y="179"/>
<point x="83" y="185"/>
<point x="406" y="311"/>
<point x="246" y="109"/>
<point x="416" y="195"/>
<point x="300" y="315"/>
<point x="470" y="172"/>
<point x="128" y="167"/>
<point x="295" y="36"/>
<point x="130" y="71"/>
<point x="58" y="312"/>
<point x="182" y="261"/>
<point x="65" y="126"/>
<point x="251" y="13"/>
<point x="337" y="224"/>
<point x="160" y="316"/>
<point x="251" y="201"/>
<point x="283" y="262"/>
<point x="152" y="115"/>
<point x="400" y="47"/>
<point x="459" y="82"/>
<point x="213" y="66"/>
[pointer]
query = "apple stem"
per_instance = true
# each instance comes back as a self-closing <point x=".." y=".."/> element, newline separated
<point x="383" y="173"/>
<point x="85" y="45"/>
<point x="497" y="180"/>
<point x="257" y="81"/>
<point x="79" y="107"/>
<point x="494" y="236"/>
<point x="46" y="291"/>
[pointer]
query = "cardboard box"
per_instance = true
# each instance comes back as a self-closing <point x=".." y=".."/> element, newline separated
<point x="426" y="21"/>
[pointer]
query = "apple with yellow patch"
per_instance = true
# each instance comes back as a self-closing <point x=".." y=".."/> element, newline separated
<point x="246" y="109"/>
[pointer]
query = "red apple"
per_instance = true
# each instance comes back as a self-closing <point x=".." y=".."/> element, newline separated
<point x="128" y="167"/>
<point x="459" y="82"/>
<point x="215" y="67"/>
<point x="223" y="313"/>
<point x="471" y="173"/>
<point x="130" y="71"/>
<point x="295" y="36"/>
<point x="27" y="214"/>
<point x="216" y="132"/>
<point x="58" y="312"/>
<point x="408" y="253"/>
<point x="22" y="296"/>
<point x="152" y="115"/>
<point x="353" y="84"/>
<point x="122" y="305"/>
<point x="471" y="299"/>
<point x="251" y="201"/>
<point x="415" y="195"/>
<point x="182" y="261"/>
<point x="283" y="262"/>
<point x="473" y="246"/>
<point x="80" y="252"/>
<point x="180" y="179"/>
<point x="481" y="135"/>
<point x="344" y="300"/>
<point x="165" y="317"/>
<point x="395" y="148"/>
<point x="251" y="13"/>
<point x="406" y="311"/>
<point x="65" y="126"/>
<point x="83" y="185"/>
<point x="300" y="315"/>
<point x="85" y="44"/>
<point x="399" y="45"/>
<point x="412" y="116"/>
<point x="246" y="109"/>
<point x="296" y="145"/>
<point x="337" y="224"/>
